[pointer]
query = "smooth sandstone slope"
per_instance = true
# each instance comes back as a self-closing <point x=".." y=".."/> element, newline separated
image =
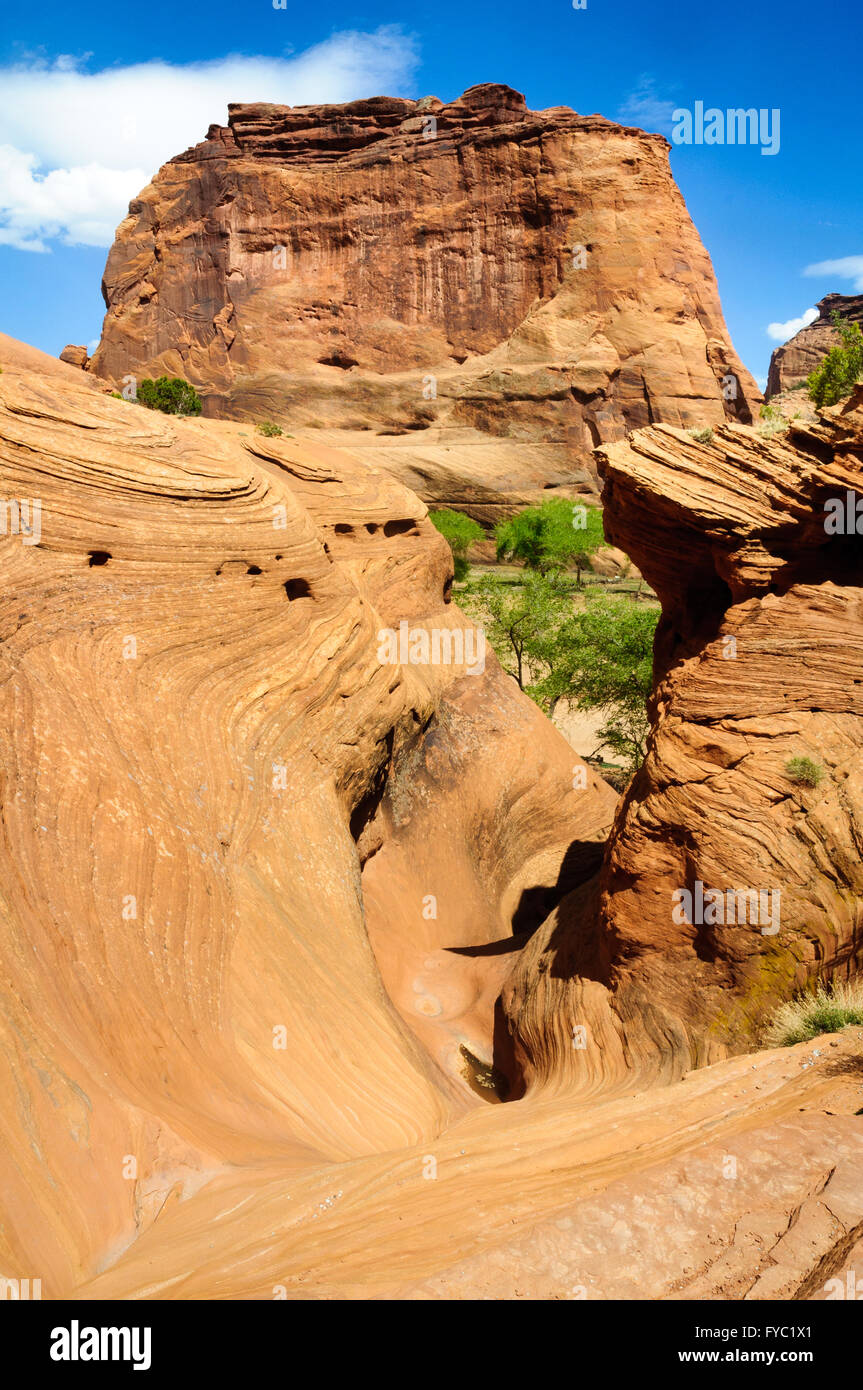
<point x="198" y="736"/>
<point x="745" y="1180"/>
<point x="482" y="291"/>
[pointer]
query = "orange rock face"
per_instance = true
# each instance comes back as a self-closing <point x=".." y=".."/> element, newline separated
<point x="495" y="289"/>
<point x="751" y="546"/>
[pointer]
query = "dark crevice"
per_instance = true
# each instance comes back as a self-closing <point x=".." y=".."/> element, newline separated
<point x="338" y="359"/>
<point x="400" y="528"/>
<point x="367" y="807"/>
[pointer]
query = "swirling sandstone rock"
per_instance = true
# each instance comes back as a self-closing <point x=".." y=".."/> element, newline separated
<point x="198" y="734"/>
<point x="223" y="818"/>
<point x="484" y="290"/>
<point x="758" y="661"/>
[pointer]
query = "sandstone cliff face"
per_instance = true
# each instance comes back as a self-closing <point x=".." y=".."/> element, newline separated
<point x="793" y="361"/>
<point x="506" y="288"/>
<point x="758" y="661"/>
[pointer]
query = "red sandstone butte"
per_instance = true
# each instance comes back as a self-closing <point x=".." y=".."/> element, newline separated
<point x="473" y="294"/>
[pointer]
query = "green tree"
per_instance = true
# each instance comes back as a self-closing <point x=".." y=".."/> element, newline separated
<point x="170" y="394"/>
<point x="518" y="619"/>
<point x="841" y="369"/>
<point x="552" y="536"/>
<point x="602" y="658"/>
<point x="461" y="532"/>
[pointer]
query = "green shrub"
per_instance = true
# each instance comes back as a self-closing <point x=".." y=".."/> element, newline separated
<point x="841" y="369"/>
<point x="461" y="532"/>
<point x="825" y="1011"/>
<point x="267" y="428"/>
<point x="702" y="436"/>
<point x="804" y="771"/>
<point x="172" y="395"/>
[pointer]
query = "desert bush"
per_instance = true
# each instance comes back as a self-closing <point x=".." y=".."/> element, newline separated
<point x="172" y="395"/>
<point x="702" y="436"/>
<point x="519" y="620"/>
<point x="826" y="1010"/>
<point x="804" y="771"/>
<point x="771" y="421"/>
<point x="599" y="657"/>
<point x="266" y="427"/>
<point x="602" y="658"/>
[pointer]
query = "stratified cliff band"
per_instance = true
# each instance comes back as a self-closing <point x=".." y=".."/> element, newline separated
<point x="476" y="293"/>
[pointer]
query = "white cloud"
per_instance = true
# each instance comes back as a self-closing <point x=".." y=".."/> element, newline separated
<point x="846" y="268"/>
<point x="75" y="146"/>
<point x="79" y="204"/>
<point x="646" y="108"/>
<point x="781" y="332"/>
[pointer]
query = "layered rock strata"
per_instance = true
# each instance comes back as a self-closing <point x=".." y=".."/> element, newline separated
<point x="483" y="291"/>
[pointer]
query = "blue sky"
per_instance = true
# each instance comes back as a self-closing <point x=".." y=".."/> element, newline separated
<point x="96" y="96"/>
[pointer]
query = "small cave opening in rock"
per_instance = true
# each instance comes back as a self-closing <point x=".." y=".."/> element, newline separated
<point x="99" y="557"/>
<point x="297" y="588"/>
<point x="342" y="528"/>
<point x="400" y="528"/>
<point x="838" y="561"/>
<point x="692" y="624"/>
<point x="254" y="569"/>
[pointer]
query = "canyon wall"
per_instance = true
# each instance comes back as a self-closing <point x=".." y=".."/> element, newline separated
<point x="758" y="663"/>
<point x="199" y="726"/>
<point x="472" y="295"/>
